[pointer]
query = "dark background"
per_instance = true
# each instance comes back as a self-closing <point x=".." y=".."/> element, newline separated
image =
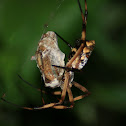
<point x="21" y="26"/>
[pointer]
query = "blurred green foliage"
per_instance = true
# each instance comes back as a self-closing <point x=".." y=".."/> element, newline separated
<point x="21" y="26"/>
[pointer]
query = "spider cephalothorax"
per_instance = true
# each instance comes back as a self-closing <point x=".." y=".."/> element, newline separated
<point x="82" y="58"/>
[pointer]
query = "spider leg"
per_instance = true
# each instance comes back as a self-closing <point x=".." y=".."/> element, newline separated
<point x="68" y="68"/>
<point x="50" y="105"/>
<point x="82" y="88"/>
<point x="71" y="99"/>
<point x="30" y="84"/>
<point x="60" y="107"/>
<point x="38" y="89"/>
<point x="64" y="90"/>
<point x="84" y="19"/>
<point x="28" y="108"/>
<point x="68" y="44"/>
<point x="54" y="93"/>
<point x="86" y="12"/>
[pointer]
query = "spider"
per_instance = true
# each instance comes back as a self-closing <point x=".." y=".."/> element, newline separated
<point x="50" y="61"/>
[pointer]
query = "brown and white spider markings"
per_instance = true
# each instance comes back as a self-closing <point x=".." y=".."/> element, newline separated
<point x="50" y="61"/>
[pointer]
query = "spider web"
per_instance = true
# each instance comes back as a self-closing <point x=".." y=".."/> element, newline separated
<point x="53" y="14"/>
